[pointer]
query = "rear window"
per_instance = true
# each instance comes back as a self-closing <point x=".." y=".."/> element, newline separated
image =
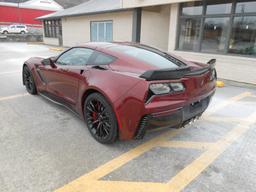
<point x="21" y="27"/>
<point x="155" y="58"/>
<point x="103" y="59"/>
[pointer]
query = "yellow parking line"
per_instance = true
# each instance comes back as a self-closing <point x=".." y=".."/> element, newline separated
<point x="13" y="97"/>
<point x="114" y="186"/>
<point x="56" y="48"/>
<point x="228" y="102"/>
<point x="186" y="144"/>
<point x="90" y="182"/>
<point x="188" y="174"/>
<point x="116" y="163"/>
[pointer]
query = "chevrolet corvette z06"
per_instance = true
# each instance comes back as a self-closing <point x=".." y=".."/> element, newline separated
<point x="123" y="89"/>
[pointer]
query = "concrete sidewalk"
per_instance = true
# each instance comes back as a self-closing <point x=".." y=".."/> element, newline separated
<point x="235" y="68"/>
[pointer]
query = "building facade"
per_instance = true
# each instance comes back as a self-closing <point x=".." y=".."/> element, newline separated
<point x="196" y="30"/>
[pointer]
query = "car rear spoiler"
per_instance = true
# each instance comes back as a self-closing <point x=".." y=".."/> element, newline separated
<point x="176" y="73"/>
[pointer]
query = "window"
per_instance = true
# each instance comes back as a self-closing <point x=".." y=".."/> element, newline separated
<point x="246" y="7"/>
<point x="147" y="56"/>
<point x="102" y="31"/>
<point x="218" y="7"/>
<point x="192" y="8"/>
<point x="243" y="36"/>
<point x="218" y="26"/>
<point x="75" y="56"/>
<point x="103" y="59"/>
<point x="215" y="34"/>
<point x="20" y="27"/>
<point x="52" y="28"/>
<point x="189" y="34"/>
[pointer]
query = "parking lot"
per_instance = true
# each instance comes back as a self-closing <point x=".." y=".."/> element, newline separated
<point x="45" y="147"/>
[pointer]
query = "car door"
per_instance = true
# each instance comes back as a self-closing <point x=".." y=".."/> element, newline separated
<point x="12" y="29"/>
<point x="62" y="79"/>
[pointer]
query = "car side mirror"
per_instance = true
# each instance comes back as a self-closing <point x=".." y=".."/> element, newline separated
<point x="211" y="62"/>
<point x="50" y="61"/>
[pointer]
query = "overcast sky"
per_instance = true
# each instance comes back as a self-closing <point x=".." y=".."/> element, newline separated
<point x="64" y="3"/>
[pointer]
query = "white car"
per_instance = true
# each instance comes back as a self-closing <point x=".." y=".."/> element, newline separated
<point x="21" y="29"/>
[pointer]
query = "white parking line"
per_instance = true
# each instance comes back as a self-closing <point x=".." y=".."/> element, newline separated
<point x="13" y="96"/>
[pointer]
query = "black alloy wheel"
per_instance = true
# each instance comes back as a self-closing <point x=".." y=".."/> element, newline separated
<point x="100" y="119"/>
<point x="29" y="81"/>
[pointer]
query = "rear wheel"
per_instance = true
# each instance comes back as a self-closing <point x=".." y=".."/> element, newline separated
<point x="22" y="32"/>
<point x="5" y="32"/>
<point x="29" y="81"/>
<point x="100" y="119"/>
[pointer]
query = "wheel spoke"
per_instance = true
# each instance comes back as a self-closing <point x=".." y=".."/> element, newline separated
<point x="105" y="129"/>
<point x="96" y="121"/>
<point x="92" y="106"/>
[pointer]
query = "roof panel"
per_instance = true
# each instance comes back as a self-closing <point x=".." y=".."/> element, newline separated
<point x="90" y="7"/>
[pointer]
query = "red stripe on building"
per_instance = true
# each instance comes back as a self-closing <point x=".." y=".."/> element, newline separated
<point x="21" y="15"/>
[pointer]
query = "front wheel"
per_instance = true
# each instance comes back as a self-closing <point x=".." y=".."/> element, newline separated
<point x="29" y="81"/>
<point x="100" y="119"/>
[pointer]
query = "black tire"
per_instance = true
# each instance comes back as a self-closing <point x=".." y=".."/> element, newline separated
<point x="22" y="32"/>
<point x="100" y="119"/>
<point x="29" y="81"/>
<point x="5" y="32"/>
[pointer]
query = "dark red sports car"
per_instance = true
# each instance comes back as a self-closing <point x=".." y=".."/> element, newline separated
<point x="123" y="89"/>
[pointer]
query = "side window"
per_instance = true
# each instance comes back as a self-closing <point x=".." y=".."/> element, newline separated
<point x="103" y="59"/>
<point x="13" y="27"/>
<point x="75" y="56"/>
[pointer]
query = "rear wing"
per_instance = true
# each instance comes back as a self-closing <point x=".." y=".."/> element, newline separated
<point x="176" y="73"/>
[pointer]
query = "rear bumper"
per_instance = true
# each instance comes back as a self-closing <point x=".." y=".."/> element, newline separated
<point x="174" y="118"/>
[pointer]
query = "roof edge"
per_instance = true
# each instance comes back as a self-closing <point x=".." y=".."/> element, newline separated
<point x="83" y="14"/>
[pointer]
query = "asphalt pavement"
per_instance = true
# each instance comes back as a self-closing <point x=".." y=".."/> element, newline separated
<point x="45" y="147"/>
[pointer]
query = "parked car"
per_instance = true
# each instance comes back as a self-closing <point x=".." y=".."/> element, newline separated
<point x="16" y="29"/>
<point x="123" y="89"/>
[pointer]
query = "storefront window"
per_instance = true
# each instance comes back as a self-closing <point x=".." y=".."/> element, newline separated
<point x="218" y="8"/>
<point x="215" y="34"/>
<point x="218" y="26"/>
<point x="189" y="34"/>
<point x="243" y="36"/>
<point x="246" y="7"/>
<point x="192" y="8"/>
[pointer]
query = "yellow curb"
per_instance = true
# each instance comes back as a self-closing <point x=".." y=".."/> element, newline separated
<point x="220" y="84"/>
<point x="56" y="48"/>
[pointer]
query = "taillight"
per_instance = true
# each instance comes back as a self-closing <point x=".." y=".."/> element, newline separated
<point x="213" y="75"/>
<point x="165" y="88"/>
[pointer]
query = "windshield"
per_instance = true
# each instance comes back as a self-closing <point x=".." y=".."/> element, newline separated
<point x="155" y="58"/>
